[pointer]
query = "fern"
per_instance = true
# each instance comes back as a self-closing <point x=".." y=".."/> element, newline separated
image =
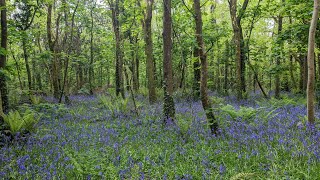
<point x="35" y="100"/>
<point x="245" y="113"/>
<point x="18" y="122"/>
<point x="114" y="104"/>
<point x="241" y="176"/>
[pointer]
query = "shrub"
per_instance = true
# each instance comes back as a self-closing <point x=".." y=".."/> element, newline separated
<point x="18" y="122"/>
<point x="114" y="104"/>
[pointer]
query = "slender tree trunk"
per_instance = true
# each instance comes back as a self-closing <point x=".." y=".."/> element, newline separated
<point x="91" y="71"/>
<point x="133" y="67"/>
<point x="226" y="67"/>
<point x="119" y="61"/>
<point x="68" y="52"/>
<point x="26" y="59"/>
<point x="3" y="58"/>
<point x="54" y="64"/>
<point x="149" y="52"/>
<point x="196" y="74"/>
<point x="305" y="72"/>
<point x="301" y="73"/>
<point x="277" y="77"/>
<point x="137" y="61"/>
<point x="311" y="74"/>
<point x="213" y="124"/>
<point x="168" y="107"/>
<point x="17" y="68"/>
<point x="240" y="46"/>
<point x="293" y="81"/>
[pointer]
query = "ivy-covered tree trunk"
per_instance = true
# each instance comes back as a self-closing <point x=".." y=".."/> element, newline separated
<point x="149" y="52"/>
<point x="213" y="124"/>
<point x="311" y="72"/>
<point x="3" y="59"/>
<point x="168" y="106"/>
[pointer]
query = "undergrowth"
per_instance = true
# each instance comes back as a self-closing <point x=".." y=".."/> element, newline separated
<point x="85" y="141"/>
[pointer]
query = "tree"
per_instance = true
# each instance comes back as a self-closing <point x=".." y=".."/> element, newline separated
<point x="204" y="70"/>
<point x="311" y="73"/>
<point x="24" y="19"/>
<point x="69" y="49"/>
<point x="168" y="106"/>
<point x="149" y="52"/>
<point x="114" y="5"/>
<point x="3" y="58"/>
<point x="279" y="47"/>
<point x="240" y="46"/>
<point x="91" y="72"/>
<point x="54" y="65"/>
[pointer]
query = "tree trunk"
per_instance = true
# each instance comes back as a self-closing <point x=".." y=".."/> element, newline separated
<point x="17" y="68"/>
<point x="226" y="67"/>
<point x="149" y="52"/>
<point x="239" y="42"/>
<point x="196" y="74"/>
<point x="168" y="107"/>
<point x="293" y="81"/>
<point x="68" y="52"/>
<point x="277" y="77"/>
<point x="3" y="58"/>
<point x="91" y="71"/>
<point x="119" y="60"/>
<point x="26" y="59"/>
<point x="311" y="74"/>
<point x="54" y="64"/>
<point x="213" y="124"/>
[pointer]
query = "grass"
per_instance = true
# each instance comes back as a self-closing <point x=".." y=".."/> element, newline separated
<point x="86" y="141"/>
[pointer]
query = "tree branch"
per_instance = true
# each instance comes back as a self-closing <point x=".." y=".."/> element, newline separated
<point x="212" y="44"/>
<point x="185" y="5"/>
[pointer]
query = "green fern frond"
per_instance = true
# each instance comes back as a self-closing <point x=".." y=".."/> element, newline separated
<point x="242" y="176"/>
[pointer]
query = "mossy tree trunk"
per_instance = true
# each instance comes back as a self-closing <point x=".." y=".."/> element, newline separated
<point x="213" y="124"/>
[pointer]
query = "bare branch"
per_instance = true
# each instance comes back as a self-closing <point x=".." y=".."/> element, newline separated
<point x="185" y="5"/>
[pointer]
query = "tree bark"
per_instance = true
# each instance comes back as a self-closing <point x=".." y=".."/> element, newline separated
<point x="149" y="52"/>
<point x="311" y="74"/>
<point x="213" y="124"/>
<point x="26" y="59"/>
<point x="277" y="77"/>
<point x="54" y="67"/>
<point x="91" y="71"/>
<point x="119" y="61"/>
<point x="3" y="58"/>
<point x="196" y="74"/>
<point x="240" y="47"/>
<point x="168" y="107"/>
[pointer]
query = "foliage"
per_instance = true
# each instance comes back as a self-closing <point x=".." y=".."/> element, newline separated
<point x="35" y="100"/>
<point x="244" y="113"/>
<point x="284" y="101"/>
<point x="241" y="176"/>
<point x="114" y="104"/>
<point x="19" y="122"/>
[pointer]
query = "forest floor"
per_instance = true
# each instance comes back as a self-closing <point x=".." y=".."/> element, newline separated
<point x="93" y="138"/>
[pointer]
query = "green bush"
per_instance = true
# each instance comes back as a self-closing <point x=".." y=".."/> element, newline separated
<point x="35" y="100"/>
<point x="114" y="104"/>
<point x="246" y="113"/>
<point x="18" y="122"/>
